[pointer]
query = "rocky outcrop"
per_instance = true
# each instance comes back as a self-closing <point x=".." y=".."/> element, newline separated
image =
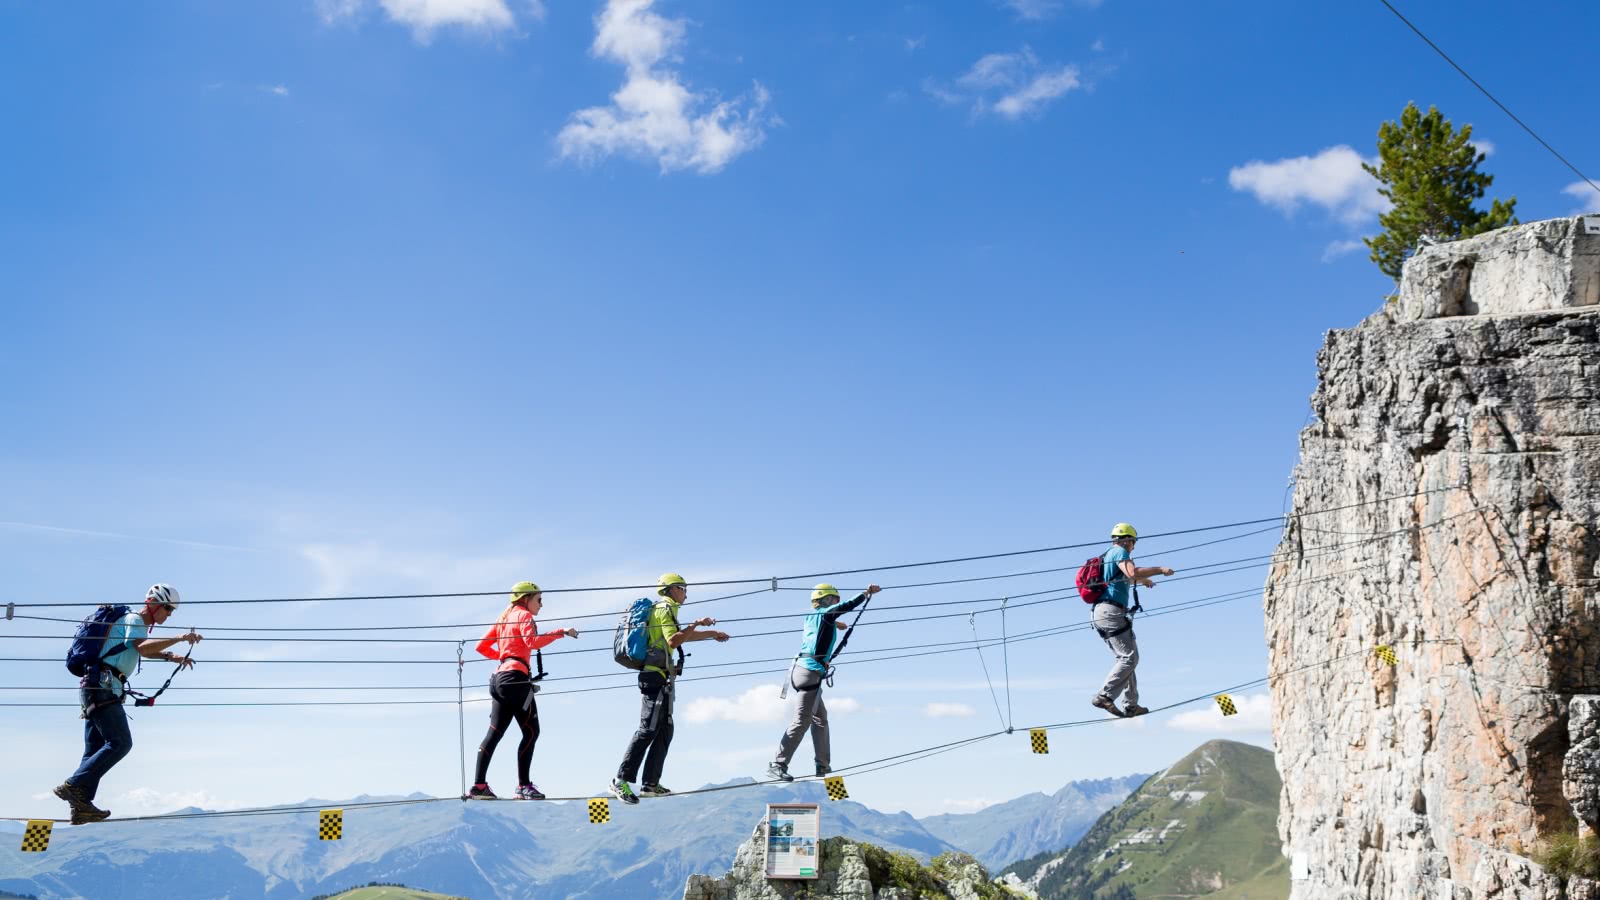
<point x="1447" y="505"/>
<point x="848" y="871"/>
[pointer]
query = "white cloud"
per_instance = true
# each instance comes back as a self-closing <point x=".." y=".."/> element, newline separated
<point x="1098" y="46"/>
<point x="1588" y="197"/>
<point x="916" y="42"/>
<point x="277" y="90"/>
<point x="1011" y="85"/>
<point x="1033" y="9"/>
<point x="145" y="800"/>
<point x="1482" y="146"/>
<point x="423" y="17"/>
<point x="948" y="711"/>
<point x="758" y="704"/>
<point x="1333" y="180"/>
<point x="111" y="535"/>
<point x="1341" y="248"/>
<point x="1255" y="714"/>
<point x="654" y="115"/>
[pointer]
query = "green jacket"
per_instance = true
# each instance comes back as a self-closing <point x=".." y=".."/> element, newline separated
<point x="662" y="624"/>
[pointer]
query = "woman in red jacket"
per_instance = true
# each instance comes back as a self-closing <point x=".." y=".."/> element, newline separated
<point x="513" y="640"/>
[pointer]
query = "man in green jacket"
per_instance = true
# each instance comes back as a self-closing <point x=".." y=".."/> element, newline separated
<point x="654" y="736"/>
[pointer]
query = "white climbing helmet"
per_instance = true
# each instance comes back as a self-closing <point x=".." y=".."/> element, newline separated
<point x="162" y="595"/>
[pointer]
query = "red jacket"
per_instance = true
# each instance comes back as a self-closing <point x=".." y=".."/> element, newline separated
<point x="518" y="637"/>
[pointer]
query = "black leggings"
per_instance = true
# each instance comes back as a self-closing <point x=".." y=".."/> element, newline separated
<point x="512" y="696"/>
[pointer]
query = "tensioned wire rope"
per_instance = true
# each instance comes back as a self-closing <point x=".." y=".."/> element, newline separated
<point x="943" y="648"/>
<point x="1200" y="602"/>
<point x="854" y="769"/>
<point x="1236" y="565"/>
<point x="773" y="580"/>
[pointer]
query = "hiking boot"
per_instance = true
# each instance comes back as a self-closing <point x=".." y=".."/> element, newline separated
<point x="622" y="791"/>
<point x="653" y="790"/>
<point x="1109" y="705"/>
<point x="89" y="813"/>
<point x="71" y="794"/>
<point x="824" y="771"/>
<point x="480" y="792"/>
<point x="779" y="772"/>
<point x="1135" y="709"/>
<point x="529" y="791"/>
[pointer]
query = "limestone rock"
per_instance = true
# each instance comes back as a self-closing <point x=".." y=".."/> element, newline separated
<point x="1455" y="462"/>
<point x="1581" y="771"/>
<point x="1549" y="265"/>
<point x="843" y="875"/>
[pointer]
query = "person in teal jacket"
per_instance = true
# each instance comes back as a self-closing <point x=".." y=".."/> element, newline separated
<point x="817" y="644"/>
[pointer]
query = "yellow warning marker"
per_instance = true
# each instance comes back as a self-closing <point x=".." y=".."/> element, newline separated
<point x="1226" y="703"/>
<point x="331" y="825"/>
<point x="36" y="839"/>
<point x="599" y="811"/>
<point x="1386" y="654"/>
<point x="835" y="786"/>
<point x="1041" y="741"/>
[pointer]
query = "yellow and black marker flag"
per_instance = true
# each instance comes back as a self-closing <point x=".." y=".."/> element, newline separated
<point x="1041" y="740"/>
<point x="330" y="825"/>
<point x="1226" y="703"/>
<point x="599" y="811"/>
<point x="36" y="839"/>
<point x="835" y="786"/>
<point x="1386" y="654"/>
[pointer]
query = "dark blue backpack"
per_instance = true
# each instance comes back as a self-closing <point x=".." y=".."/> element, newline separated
<point x="85" y="656"/>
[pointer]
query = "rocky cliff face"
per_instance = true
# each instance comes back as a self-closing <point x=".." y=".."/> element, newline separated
<point x="1451" y="492"/>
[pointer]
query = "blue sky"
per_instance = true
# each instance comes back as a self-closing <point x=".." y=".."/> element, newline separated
<point x="317" y="298"/>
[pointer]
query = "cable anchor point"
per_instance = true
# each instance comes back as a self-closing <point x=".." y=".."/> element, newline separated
<point x="11" y="611"/>
<point x="774" y="583"/>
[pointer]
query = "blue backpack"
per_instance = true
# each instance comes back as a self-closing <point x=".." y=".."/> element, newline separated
<point x="631" y="644"/>
<point x="85" y="656"/>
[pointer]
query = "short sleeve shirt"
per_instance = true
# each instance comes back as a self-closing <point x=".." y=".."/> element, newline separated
<point x="1117" y="585"/>
<point x="663" y="624"/>
<point x="127" y="630"/>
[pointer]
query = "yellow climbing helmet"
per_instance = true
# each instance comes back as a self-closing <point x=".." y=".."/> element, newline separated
<point x="824" y="590"/>
<point x="1123" y="530"/>
<point x="668" y="580"/>
<point x="522" y="589"/>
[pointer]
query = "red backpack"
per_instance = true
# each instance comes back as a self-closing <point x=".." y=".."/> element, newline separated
<point x="1092" y="580"/>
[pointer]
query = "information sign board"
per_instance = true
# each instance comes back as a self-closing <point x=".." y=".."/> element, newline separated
<point x="794" y="833"/>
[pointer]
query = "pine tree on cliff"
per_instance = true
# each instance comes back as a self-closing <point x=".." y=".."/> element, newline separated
<point x="1429" y="172"/>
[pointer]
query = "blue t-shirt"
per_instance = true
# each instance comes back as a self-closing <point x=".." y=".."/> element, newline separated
<point x="128" y="629"/>
<point x="1117" y="584"/>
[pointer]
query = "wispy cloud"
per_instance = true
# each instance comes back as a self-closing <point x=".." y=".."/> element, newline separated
<point x="276" y="90"/>
<point x="424" y="17"/>
<point x="1333" y="179"/>
<point x="1588" y="198"/>
<point x="949" y="711"/>
<point x="1009" y="85"/>
<point x="111" y="535"/>
<point x="342" y="567"/>
<point x="654" y="115"/>
<point x="1341" y="248"/>
<point x="1254" y="715"/>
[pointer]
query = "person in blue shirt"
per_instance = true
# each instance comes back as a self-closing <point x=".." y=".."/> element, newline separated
<point x="818" y="642"/>
<point x="1112" y="619"/>
<point x="106" y="738"/>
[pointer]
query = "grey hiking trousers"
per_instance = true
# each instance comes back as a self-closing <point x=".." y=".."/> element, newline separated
<point x="809" y="713"/>
<point x="1109" y="617"/>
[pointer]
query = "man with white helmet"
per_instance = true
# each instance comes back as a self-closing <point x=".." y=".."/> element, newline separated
<point x="1112" y="619"/>
<point x="106" y="738"/>
<point x="654" y="735"/>
<point x="818" y="642"/>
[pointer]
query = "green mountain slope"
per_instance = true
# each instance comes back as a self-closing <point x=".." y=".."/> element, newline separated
<point x="1205" y="826"/>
